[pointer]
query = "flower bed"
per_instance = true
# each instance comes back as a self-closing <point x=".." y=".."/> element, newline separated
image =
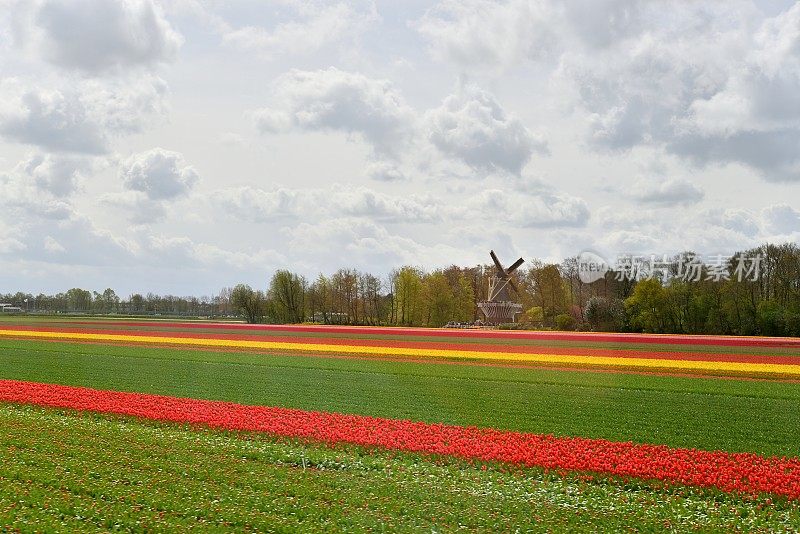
<point x="736" y="472"/>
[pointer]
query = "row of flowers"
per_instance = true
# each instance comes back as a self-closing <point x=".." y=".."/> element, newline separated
<point x="367" y="345"/>
<point x="736" y="472"/>
<point x="734" y="365"/>
<point x="666" y="339"/>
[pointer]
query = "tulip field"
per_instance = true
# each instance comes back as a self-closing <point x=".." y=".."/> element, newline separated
<point x="139" y="424"/>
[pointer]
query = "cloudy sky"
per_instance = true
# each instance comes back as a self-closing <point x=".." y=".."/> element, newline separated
<point x="187" y="145"/>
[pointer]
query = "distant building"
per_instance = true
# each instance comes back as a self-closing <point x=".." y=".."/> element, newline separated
<point x="498" y="306"/>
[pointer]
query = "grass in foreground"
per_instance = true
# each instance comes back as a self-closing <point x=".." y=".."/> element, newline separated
<point x="734" y="415"/>
<point x="65" y="471"/>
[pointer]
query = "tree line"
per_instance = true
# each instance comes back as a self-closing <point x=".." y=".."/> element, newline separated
<point x="82" y="301"/>
<point x="552" y="295"/>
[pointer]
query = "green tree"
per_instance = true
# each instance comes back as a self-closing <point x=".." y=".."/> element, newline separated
<point x="318" y="299"/>
<point x="464" y="302"/>
<point x="249" y="303"/>
<point x="407" y="302"/>
<point x="549" y="290"/>
<point x="771" y="319"/>
<point x="605" y="314"/>
<point x="286" y="297"/>
<point x="79" y="300"/>
<point x="535" y="315"/>
<point x="564" y="321"/>
<point x="345" y="296"/>
<point x="109" y="300"/>
<point x="438" y="299"/>
<point x="647" y="307"/>
<point x="372" y="305"/>
<point x="136" y="303"/>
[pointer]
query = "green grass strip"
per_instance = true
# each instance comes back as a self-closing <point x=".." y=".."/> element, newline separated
<point x="735" y="415"/>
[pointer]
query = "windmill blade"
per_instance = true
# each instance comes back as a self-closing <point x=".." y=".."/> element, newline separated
<point x="498" y="289"/>
<point x="513" y="285"/>
<point x="497" y="262"/>
<point x="515" y="265"/>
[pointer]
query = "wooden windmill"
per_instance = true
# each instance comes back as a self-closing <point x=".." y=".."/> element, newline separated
<point x="498" y="307"/>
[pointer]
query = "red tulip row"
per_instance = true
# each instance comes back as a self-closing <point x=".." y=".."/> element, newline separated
<point x="736" y="472"/>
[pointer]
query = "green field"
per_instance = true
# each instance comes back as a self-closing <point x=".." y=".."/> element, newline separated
<point x="62" y="471"/>
<point x="734" y="415"/>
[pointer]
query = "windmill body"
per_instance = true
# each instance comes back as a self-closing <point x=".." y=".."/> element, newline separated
<point x="499" y="307"/>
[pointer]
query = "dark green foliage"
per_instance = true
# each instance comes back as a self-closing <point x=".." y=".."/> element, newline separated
<point x="605" y="314"/>
<point x="771" y="318"/>
<point x="564" y="321"/>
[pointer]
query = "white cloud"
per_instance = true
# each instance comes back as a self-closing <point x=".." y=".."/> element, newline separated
<point x="471" y="126"/>
<point x="312" y="28"/>
<point x="545" y="209"/>
<point x="41" y="181"/>
<point x="232" y="139"/>
<point x="363" y="244"/>
<point x="667" y="192"/>
<point x="153" y="180"/>
<point x="159" y="174"/>
<point x="178" y="252"/>
<point x="80" y="118"/>
<point x="70" y="240"/>
<point x="49" y="119"/>
<point x="384" y="171"/>
<point x="139" y="208"/>
<point x="632" y="242"/>
<point x="335" y="100"/>
<point x="59" y="175"/>
<point x="488" y="34"/>
<point x="258" y="205"/>
<point x="53" y="246"/>
<point x="94" y="36"/>
<point x="781" y="219"/>
<point x="495" y="35"/>
<point x="712" y="83"/>
<point x="705" y="231"/>
<point x="10" y="244"/>
<point x="742" y="221"/>
<point x="86" y="244"/>
<point x="23" y="196"/>
<point x="711" y="92"/>
<point x="602" y="23"/>
<point x="378" y="206"/>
